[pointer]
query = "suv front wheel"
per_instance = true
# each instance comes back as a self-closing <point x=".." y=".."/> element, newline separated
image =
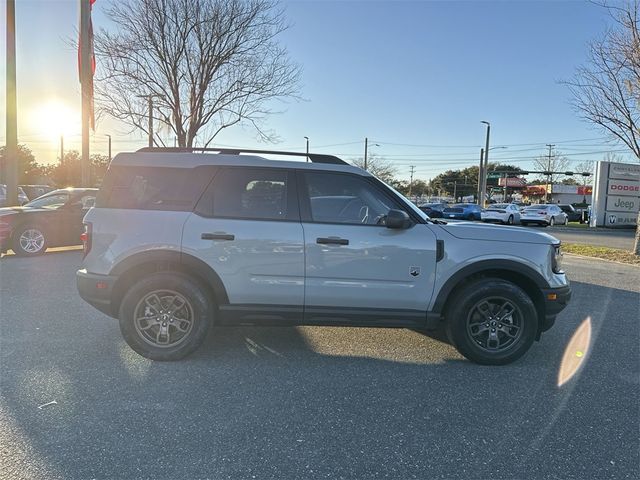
<point x="165" y="316"/>
<point x="491" y="321"/>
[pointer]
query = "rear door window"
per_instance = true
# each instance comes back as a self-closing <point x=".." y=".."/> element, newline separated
<point x="252" y="194"/>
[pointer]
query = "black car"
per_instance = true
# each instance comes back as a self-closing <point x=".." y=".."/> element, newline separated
<point x="572" y="214"/>
<point x="434" y="210"/>
<point x="52" y="220"/>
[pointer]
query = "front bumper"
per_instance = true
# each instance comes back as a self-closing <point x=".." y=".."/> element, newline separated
<point x="96" y="290"/>
<point x="555" y="300"/>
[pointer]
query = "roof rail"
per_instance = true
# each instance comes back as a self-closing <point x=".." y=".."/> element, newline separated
<point x="314" y="157"/>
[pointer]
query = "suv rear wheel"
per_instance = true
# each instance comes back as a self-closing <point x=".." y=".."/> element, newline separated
<point x="491" y="321"/>
<point x="165" y="316"/>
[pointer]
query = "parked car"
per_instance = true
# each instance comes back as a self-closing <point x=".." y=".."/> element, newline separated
<point x="52" y="220"/>
<point x="179" y="241"/>
<point x="463" y="211"/>
<point x="545" y="215"/>
<point x="434" y="210"/>
<point x="35" y="191"/>
<point x="506" y="213"/>
<point x="572" y="214"/>
<point x="22" y="197"/>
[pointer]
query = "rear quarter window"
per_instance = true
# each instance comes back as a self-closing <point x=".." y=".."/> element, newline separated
<point x="153" y="188"/>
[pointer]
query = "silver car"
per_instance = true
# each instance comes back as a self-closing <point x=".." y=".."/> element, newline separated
<point x="181" y="241"/>
<point x="545" y="215"/>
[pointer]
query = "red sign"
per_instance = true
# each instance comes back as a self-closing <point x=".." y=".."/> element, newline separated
<point x="587" y="190"/>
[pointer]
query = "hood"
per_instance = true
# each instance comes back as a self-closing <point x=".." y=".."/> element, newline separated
<point x="497" y="233"/>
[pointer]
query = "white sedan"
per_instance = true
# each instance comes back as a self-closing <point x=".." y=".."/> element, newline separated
<point x="506" y="213"/>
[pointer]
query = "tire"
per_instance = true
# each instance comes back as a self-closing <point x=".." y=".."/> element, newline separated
<point x="477" y="305"/>
<point x="29" y="241"/>
<point x="552" y="221"/>
<point x="167" y="335"/>
<point x="510" y="220"/>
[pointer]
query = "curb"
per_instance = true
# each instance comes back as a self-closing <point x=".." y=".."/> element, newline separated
<point x="601" y="259"/>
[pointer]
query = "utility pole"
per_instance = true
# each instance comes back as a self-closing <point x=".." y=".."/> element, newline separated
<point x="109" y="137"/>
<point x="455" y="191"/>
<point x="11" y="148"/>
<point x="546" y="190"/>
<point x="412" y="167"/>
<point x="61" y="148"/>
<point x="480" y="177"/>
<point x="149" y="98"/>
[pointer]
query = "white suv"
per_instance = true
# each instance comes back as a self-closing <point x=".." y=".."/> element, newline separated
<point x="179" y="241"/>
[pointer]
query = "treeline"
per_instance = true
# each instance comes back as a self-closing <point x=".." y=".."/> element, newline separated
<point x="66" y="172"/>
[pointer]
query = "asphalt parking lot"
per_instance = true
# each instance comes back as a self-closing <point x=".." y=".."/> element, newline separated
<point x="311" y="402"/>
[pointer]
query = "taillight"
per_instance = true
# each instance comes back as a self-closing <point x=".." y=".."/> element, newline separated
<point x="86" y="239"/>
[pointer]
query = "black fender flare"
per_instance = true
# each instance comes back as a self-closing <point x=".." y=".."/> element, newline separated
<point x="170" y="259"/>
<point x="512" y="266"/>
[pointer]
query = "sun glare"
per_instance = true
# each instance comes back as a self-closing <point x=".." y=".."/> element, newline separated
<point x="54" y="118"/>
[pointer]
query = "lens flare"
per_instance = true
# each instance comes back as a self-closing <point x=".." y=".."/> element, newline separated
<point x="576" y="352"/>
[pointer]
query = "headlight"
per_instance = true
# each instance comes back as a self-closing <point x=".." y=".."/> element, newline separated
<point x="557" y="259"/>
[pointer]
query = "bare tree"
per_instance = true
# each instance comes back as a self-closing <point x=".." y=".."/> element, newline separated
<point x="378" y="166"/>
<point x="554" y="163"/>
<point x="211" y="63"/>
<point x="606" y="90"/>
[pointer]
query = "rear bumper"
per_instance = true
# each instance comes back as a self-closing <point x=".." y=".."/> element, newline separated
<point x="96" y="290"/>
<point x="555" y="300"/>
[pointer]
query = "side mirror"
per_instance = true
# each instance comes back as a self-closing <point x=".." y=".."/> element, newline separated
<point x="397" y="219"/>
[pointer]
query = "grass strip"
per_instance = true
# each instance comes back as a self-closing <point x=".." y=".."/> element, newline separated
<point x="606" y="253"/>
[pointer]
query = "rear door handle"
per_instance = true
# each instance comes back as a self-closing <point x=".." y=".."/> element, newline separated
<point x="217" y="236"/>
<point x="332" y="241"/>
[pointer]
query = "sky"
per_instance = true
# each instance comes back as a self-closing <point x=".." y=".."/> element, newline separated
<point x="414" y="77"/>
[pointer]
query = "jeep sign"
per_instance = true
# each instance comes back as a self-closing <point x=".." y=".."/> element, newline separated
<point x="616" y="195"/>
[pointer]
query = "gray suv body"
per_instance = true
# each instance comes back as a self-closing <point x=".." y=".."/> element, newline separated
<point x="179" y="241"/>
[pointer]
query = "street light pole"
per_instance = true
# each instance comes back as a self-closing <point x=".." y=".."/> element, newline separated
<point x="307" y="139"/>
<point x="366" y="143"/>
<point x="480" y="176"/>
<point x="486" y="161"/>
<point x="11" y="124"/>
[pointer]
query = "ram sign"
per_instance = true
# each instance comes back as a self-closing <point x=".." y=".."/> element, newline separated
<point x="616" y="198"/>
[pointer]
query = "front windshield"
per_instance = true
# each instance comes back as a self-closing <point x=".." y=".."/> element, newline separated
<point x="51" y="202"/>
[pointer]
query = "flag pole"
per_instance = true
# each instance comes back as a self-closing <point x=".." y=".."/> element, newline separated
<point x="86" y="77"/>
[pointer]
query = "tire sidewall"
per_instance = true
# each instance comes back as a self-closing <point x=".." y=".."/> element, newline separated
<point x="470" y="295"/>
<point x="510" y="220"/>
<point x="15" y="244"/>
<point x="190" y="290"/>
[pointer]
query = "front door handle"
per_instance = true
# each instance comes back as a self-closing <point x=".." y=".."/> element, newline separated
<point x="217" y="236"/>
<point x="332" y="241"/>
